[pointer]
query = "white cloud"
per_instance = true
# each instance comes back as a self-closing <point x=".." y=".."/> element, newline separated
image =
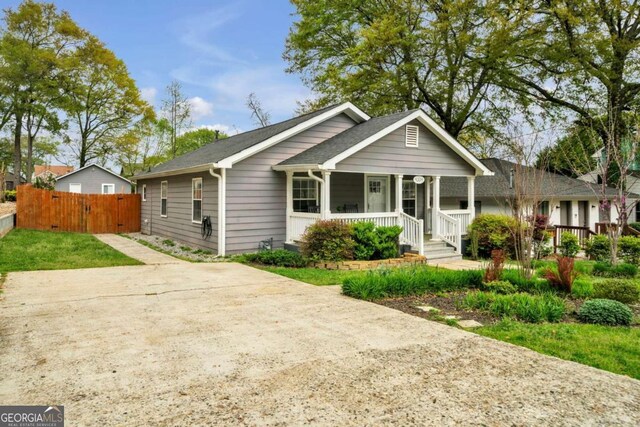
<point x="229" y="130"/>
<point x="149" y="94"/>
<point x="200" y="108"/>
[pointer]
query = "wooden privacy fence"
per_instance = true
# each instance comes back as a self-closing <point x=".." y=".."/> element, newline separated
<point x="84" y="213"/>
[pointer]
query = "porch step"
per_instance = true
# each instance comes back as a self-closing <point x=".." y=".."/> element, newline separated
<point x="440" y="251"/>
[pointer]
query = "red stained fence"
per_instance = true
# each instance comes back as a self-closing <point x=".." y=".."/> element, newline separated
<point x="83" y="213"/>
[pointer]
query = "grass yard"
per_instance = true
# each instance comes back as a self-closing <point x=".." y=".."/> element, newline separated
<point x="613" y="349"/>
<point x="314" y="276"/>
<point x="27" y="250"/>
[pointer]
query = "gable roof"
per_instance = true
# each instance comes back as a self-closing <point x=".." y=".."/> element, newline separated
<point x="225" y="152"/>
<point x="55" y="170"/>
<point x="328" y="153"/>
<point x="550" y="184"/>
<point x="89" y="166"/>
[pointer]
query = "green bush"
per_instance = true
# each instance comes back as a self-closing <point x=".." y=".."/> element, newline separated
<point x="387" y="246"/>
<point x="623" y="290"/>
<point x="373" y="242"/>
<point x="635" y="225"/>
<point x="582" y="288"/>
<point x="522" y="306"/>
<point x="605" y="269"/>
<point x="629" y="249"/>
<point x="569" y="245"/>
<point x="328" y="241"/>
<point x="10" y="195"/>
<point x="278" y="258"/>
<point x="605" y="312"/>
<point x="522" y="284"/>
<point x="409" y="281"/>
<point x="598" y="248"/>
<point x="492" y="232"/>
<point x="500" y="287"/>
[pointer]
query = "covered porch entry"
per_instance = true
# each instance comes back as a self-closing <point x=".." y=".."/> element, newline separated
<point x="386" y="199"/>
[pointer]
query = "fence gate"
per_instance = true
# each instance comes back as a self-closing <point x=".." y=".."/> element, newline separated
<point x="84" y="213"/>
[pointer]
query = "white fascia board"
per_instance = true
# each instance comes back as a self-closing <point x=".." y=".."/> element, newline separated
<point x="199" y="168"/>
<point x="347" y="108"/>
<point x="90" y="165"/>
<point x="423" y="118"/>
<point x="297" y="168"/>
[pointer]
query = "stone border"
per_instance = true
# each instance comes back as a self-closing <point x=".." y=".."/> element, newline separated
<point x="407" y="260"/>
<point x="7" y="223"/>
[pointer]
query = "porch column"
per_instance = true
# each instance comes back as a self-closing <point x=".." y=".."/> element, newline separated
<point x="436" y="207"/>
<point x="471" y="196"/>
<point x="427" y="203"/>
<point x="399" y="193"/>
<point x="325" y="201"/>
<point x="289" y="204"/>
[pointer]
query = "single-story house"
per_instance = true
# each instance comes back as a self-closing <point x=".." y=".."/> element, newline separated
<point x="566" y="201"/>
<point x="93" y="179"/>
<point x="9" y="180"/>
<point x="44" y="171"/>
<point x="269" y="184"/>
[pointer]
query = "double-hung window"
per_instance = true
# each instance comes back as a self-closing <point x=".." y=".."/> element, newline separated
<point x="196" y="200"/>
<point x="144" y="192"/>
<point x="108" y="188"/>
<point x="305" y="194"/>
<point x="164" y="190"/>
<point x="409" y="198"/>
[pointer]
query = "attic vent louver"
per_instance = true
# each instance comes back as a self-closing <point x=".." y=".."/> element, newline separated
<point x="411" y="136"/>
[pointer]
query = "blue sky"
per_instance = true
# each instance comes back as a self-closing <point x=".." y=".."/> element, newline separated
<point x="219" y="50"/>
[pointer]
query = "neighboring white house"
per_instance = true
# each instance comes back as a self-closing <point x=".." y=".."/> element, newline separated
<point x="93" y="179"/>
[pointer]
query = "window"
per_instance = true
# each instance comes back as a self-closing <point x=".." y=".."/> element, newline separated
<point x="464" y="204"/>
<point x="164" y="189"/>
<point x="75" y="188"/>
<point x="411" y="136"/>
<point x="108" y="188"/>
<point x="409" y="198"/>
<point x="305" y="195"/>
<point x="144" y="192"/>
<point x="637" y="212"/>
<point x="196" y="200"/>
<point x="543" y="208"/>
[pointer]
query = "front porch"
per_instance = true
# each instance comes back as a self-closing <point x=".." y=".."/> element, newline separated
<point x="386" y="199"/>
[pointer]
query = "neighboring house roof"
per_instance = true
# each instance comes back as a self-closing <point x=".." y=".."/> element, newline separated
<point x="328" y="153"/>
<point x="498" y="186"/>
<point x="55" y="170"/>
<point x="89" y="166"/>
<point x="228" y="150"/>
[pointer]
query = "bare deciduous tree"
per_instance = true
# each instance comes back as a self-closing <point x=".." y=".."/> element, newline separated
<point x="260" y="116"/>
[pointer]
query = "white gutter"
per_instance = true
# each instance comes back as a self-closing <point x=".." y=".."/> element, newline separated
<point x="222" y="210"/>
<point x="311" y="175"/>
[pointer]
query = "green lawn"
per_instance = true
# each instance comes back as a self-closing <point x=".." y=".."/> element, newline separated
<point x="613" y="349"/>
<point x="315" y="276"/>
<point x="26" y="250"/>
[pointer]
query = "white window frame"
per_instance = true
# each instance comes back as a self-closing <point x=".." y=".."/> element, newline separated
<point x="315" y="183"/>
<point x="106" y="184"/>
<point x="411" y="144"/>
<point x="166" y="197"/>
<point x="193" y="199"/>
<point x="415" y="195"/>
<point x="143" y="192"/>
<point x="79" y="186"/>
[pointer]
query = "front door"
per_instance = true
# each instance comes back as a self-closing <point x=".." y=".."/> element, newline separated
<point x="583" y="213"/>
<point x="377" y="193"/>
<point x="565" y="213"/>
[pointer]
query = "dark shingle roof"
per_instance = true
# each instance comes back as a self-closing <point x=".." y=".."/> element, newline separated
<point x="218" y="150"/>
<point x="330" y="148"/>
<point x="547" y="183"/>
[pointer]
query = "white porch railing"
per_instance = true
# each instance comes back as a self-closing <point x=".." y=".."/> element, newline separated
<point x="412" y="231"/>
<point x="449" y="230"/>
<point x="462" y="215"/>
<point x="380" y="219"/>
<point x="300" y="221"/>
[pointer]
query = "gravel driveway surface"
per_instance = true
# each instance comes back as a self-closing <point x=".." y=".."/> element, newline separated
<point x="226" y="344"/>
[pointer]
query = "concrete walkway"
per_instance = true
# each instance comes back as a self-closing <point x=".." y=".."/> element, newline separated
<point x="135" y="250"/>
<point x="463" y="264"/>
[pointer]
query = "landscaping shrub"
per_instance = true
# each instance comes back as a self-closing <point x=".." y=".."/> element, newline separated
<point x="629" y="249"/>
<point x="409" y="281"/>
<point x="605" y="269"/>
<point x="493" y="271"/>
<point x="387" y="244"/>
<point x="278" y="258"/>
<point x="365" y="238"/>
<point x="523" y="306"/>
<point x="500" y="287"/>
<point x="10" y="195"/>
<point x="522" y="284"/>
<point x="493" y="232"/>
<point x="563" y="277"/>
<point x="328" y="241"/>
<point x="569" y="245"/>
<point x="623" y="290"/>
<point x="582" y="288"/>
<point x="605" y="312"/>
<point x="635" y="225"/>
<point x="598" y="248"/>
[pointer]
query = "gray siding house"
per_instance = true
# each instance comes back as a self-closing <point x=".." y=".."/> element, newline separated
<point x="271" y="183"/>
<point x="93" y="179"/>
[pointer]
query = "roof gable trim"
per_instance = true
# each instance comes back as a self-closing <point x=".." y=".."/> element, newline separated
<point x="88" y="166"/>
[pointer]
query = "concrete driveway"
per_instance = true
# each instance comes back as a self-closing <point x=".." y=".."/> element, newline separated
<point x="225" y="344"/>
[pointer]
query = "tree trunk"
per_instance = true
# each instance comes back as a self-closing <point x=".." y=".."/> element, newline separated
<point x="17" y="150"/>
<point x="29" y="171"/>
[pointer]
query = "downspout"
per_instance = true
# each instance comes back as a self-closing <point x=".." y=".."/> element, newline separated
<point x="222" y="197"/>
<point x="323" y="200"/>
